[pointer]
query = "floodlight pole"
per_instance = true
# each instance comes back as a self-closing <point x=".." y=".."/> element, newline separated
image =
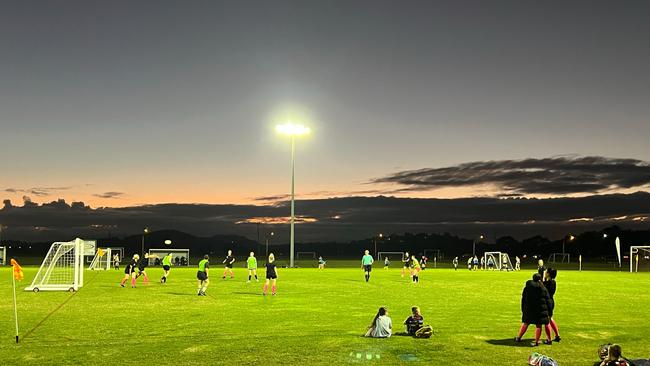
<point x="293" y="207"/>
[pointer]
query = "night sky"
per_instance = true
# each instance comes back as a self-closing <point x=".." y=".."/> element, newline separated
<point x="122" y="103"/>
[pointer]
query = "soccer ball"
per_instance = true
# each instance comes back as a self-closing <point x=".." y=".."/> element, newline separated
<point x="168" y="242"/>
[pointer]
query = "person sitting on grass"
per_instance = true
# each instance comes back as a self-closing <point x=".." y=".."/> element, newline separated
<point x="382" y="325"/>
<point x="415" y="324"/>
<point x="614" y="357"/>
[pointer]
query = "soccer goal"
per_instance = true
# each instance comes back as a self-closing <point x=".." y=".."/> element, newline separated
<point x="102" y="260"/>
<point x="382" y="255"/>
<point x="553" y="258"/>
<point x="501" y="261"/>
<point x="639" y="254"/>
<point x="180" y="257"/>
<point x="434" y="253"/>
<point x="310" y="255"/>
<point x="3" y="256"/>
<point x="62" y="268"/>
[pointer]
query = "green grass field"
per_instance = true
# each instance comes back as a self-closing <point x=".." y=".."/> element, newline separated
<point x="318" y="317"/>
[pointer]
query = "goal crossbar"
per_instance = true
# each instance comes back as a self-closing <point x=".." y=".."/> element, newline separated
<point x="380" y="255"/>
<point x="311" y="254"/>
<point x="635" y="250"/>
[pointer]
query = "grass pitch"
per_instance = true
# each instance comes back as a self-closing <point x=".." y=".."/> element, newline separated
<point x="318" y="317"/>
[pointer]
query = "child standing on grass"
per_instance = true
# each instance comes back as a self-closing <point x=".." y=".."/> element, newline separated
<point x="129" y="271"/>
<point x="271" y="276"/>
<point x="415" y="269"/>
<point x="321" y="263"/>
<point x="229" y="263"/>
<point x="167" y="265"/>
<point x="202" y="275"/>
<point x="386" y="263"/>
<point x="366" y="264"/>
<point x="142" y="267"/>
<point x="406" y="264"/>
<point x="551" y="286"/>
<point x="251" y="263"/>
<point x="535" y="304"/>
<point x="455" y="263"/>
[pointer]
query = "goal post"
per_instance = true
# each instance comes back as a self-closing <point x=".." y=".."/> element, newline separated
<point x="311" y="255"/>
<point x="434" y="253"/>
<point x="637" y="253"/>
<point x="564" y="256"/>
<point x="501" y="260"/>
<point x="382" y="255"/>
<point x="62" y="268"/>
<point x="180" y="257"/>
<point x="102" y="260"/>
<point x="3" y="256"/>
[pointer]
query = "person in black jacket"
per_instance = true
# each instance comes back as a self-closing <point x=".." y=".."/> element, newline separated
<point x="535" y="305"/>
<point x="549" y="283"/>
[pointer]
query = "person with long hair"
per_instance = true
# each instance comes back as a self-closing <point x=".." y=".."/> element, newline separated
<point x="551" y="286"/>
<point x="535" y="304"/>
<point x="381" y="326"/>
<point x="406" y="261"/>
<point x="271" y="276"/>
<point x="129" y="271"/>
<point x="415" y="269"/>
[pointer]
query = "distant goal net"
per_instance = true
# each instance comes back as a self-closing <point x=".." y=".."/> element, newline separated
<point x="62" y="268"/>
<point x="102" y="260"/>
<point x="500" y="261"/>
<point x="305" y="255"/>
<point x="3" y="256"/>
<point x="392" y="256"/>
<point x="640" y="258"/>
<point x="180" y="257"/>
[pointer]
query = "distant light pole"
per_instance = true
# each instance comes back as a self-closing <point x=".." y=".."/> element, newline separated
<point x="570" y="237"/>
<point x="144" y="232"/>
<point x="474" y="245"/>
<point x="292" y="130"/>
<point x="375" y="239"/>
<point x="267" y="243"/>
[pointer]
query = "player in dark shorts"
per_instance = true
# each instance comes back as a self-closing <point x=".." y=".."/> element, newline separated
<point x="166" y="265"/>
<point x="406" y="262"/>
<point x="271" y="275"/>
<point x="229" y="263"/>
<point x="129" y="271"/>
<point x="366" y="264"/>
<point x="142" y="267"/>
<point x="202" y="275"/>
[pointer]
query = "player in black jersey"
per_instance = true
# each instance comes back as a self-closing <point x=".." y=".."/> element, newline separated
<point x="406" y="264"/>
<point x="271" y="275"/>
<point x="142" y="266"/>
<point x="129" y="271"/>
<point x="228" y="265"/>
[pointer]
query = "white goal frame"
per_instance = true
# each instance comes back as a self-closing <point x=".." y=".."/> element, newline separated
<point x="380" y="255"/>
<point x="498" y="260"/>
<point x="312" y="254"/>
<point x="63" y="267"/>
<point x="439" y="255"/>
<point x="635" y="250"/>
<point x="103" y="263"/>
<point x="176" y="253"/>
<point x="553" y="257"/>
<point x="3" y="253"/>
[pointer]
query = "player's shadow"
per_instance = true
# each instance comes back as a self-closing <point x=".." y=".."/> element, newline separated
<point x="510" y="342"/>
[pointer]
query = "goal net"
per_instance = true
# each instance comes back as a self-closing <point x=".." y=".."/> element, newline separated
<point x="434" y="253"/>
<point x="62" y="268"/>
<point x="303" y="255"/>
<point x="563" y="257"/>
<point x="102" y="260"/>
<point x="180" y="257"/>
<point x="640" y="258"/>
<point x="501" y="261"/>
<point x="397" y="256"/>
<point x="3" y="256"/>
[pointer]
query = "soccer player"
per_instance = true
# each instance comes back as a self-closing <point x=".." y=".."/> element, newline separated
<point x="321" y="263"/>
<point x="482" y="263"/>
<point x="490" y="263"/>
<point x="129" y="271"/>
<point x="116" y="262"/>
<point x="551" y="286"/>
<point x="475" y="263"/>
<point x="405" y="264"/>
<point x="386" y="263"/>
<point x="540" y="267"/>
<point x="142" y="266"/>
<point x="202" y="275"/>
<point x="455" y="263"/>
<point x="366" y="264"/>
<point x="423" y="262"/>
<point x="228" y="262"/>
<point x="271" y="276"/>
<point x="166" y="264"/>
<point x="517" y="263"/>
<point x="415" y="269"/>
<point x="251" y="264"/>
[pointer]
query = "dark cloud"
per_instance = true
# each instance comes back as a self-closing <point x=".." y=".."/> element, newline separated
<point x="555" y="176"/>
<point x="38" y="191"/>
<point x="109" y="195"/>
<point x="334" y="219"/>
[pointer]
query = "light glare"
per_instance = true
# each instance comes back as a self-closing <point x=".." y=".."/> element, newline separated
<point x="292" y="129"/>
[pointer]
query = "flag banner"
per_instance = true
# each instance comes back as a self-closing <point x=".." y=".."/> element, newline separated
<point x="618" y="250"/>
<point x="100" y="252"/>
<point x="18" y="270"/>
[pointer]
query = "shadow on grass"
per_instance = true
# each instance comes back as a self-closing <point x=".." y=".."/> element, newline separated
<point x="510" y="342"/>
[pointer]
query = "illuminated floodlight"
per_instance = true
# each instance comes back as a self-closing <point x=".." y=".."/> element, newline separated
<point x="292" y="129"/>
